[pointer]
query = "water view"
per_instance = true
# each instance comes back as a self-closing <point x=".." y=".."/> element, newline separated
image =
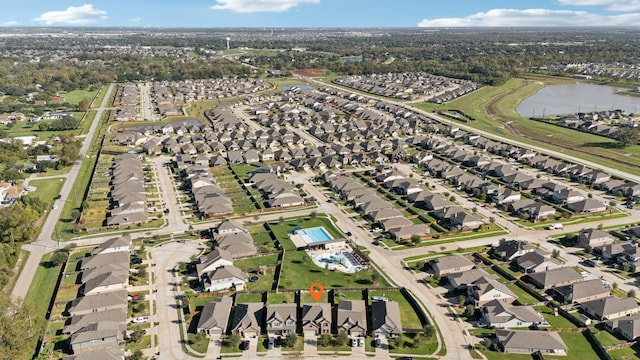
<point x="573" y="98"/>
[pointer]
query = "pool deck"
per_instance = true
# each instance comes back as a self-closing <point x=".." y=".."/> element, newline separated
<point x="298" y="241"/>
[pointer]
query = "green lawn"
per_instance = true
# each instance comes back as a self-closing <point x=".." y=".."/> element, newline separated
<point x="265" y="282"/>
<point x="43" y="285"/>
<point x="579" y="347"/>
<point x="144" y="343"/>
<point x="407" y="313"/>
<point x="281" y="298"/>
<point x="75" y="96"/>
<point x="630" y="353"/>
<point x="607" y="339"/>
<point x="524" y="297"/>
<point x="256" y="261"/>
<point x="556" y="322"/>
<point x="46" y="189"/>
<point x="408" y="345"/>
<point x="248" y="298"/>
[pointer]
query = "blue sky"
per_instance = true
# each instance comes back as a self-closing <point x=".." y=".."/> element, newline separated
<point x="321" y="13"/>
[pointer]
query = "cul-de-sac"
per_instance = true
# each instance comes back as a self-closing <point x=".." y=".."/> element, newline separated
<point x="371" y="193"/>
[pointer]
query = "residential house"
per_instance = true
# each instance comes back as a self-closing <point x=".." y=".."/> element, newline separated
<point x="98" y="336"/>
<point x="610" y="307"/>
<point x="531" y="341"/>
<point x="511" y="249"/>
<point x="352" y="317"/>
<point x="536" y="261"/>
<point x="407" y="232"/>
<point x="587" y="206"/>
<point x="248" y="319"/>
<point x="224" y="277"/>
<point x="594" y="238"/>
<point x="281" y="319"/>
<point x="118" y="244"/>
<point x="484" y="290"/>
<point x="385" y="318"/>
<point x="214" y="317"/>
<point x="554" y="277"/>
<point x="450" y="264"/>
<point x="316" y="318"/>
<point x="460" y="280"/>
<point x="100" y="302"/>
<point x="628" y="327"/>
<point x="501" y="315"/>
<point x="581" y="292"/>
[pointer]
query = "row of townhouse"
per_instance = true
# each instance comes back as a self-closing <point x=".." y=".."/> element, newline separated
<point x="281" y="320"/>
<point x="128" y="195"/>
<point x="580" y="173"/>
<point x="408" y="86"/>
<point x="374" y="208"/>
<point x="97" y="322"/>
<point x="209" y="198"/>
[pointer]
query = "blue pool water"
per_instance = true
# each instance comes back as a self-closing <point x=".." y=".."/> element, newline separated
<point x="314" y="235"/>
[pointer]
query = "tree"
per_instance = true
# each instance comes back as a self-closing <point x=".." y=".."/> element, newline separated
<point x="83" y="105"/>
<point x="291" y="340"/>
<point x="20" y="327"/>
<point x="313" y="215"/>
<point x="428" y="331"/>
<point x="415" y="239"/>
<point x="469" y="310"/>
<point x="555" y="253"/>
<point x="59" y="257"/>
<point x="626" y="266"/>
<point x="325" y="340"/>
<point x="342" y="338"/>
<point x="588" y="249"/>
<point x="136" y="335"/>
<point x="374" y="277"/>
<point x="233" y="340"/>
<point x="627" y="136"/>
<point x="631" y="293"/>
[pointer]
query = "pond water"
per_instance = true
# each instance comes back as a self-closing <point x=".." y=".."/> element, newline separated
<point x="574" y="98"/>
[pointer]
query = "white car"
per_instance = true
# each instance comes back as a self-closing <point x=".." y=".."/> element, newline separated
<point x="55" y="207"/>
<point x="141" y="319"/>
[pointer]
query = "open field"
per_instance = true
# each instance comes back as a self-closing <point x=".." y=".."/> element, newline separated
<point x="494" y="110"/>
<point x="74" y="97"/>
<point x="46" y="189"/>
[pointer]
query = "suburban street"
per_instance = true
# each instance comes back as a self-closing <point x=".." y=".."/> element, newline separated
<point x="44" y="242"/>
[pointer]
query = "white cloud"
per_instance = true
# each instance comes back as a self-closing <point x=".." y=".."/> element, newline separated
<point x="252" y="6"/>
<point x="135" y="20"/>
<point x="74" y="15"/>
<point x="611" y="5"/>
<point x="10" y="23"/>
<point x="534" y="17"/>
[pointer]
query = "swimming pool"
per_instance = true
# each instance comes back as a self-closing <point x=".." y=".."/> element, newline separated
<point x="314" y="235"/>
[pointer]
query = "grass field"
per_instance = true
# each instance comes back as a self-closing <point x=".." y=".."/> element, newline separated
<point x="46" y="189"/>
<point x="494" y="107"/>
<point x="75" y="96"/>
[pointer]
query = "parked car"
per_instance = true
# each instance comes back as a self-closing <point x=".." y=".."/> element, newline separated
<point x="361" y="341"/>
<point x="271" y="343"/>
<point x="354" y="342"/>
<point x="140" y="320"/>
<point x="244" y="345"/>
<point x="377" y="343"/>
<point x="136" y="260"/>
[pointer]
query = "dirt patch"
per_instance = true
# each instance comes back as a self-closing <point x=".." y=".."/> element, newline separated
<point x="315" y="72"/>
